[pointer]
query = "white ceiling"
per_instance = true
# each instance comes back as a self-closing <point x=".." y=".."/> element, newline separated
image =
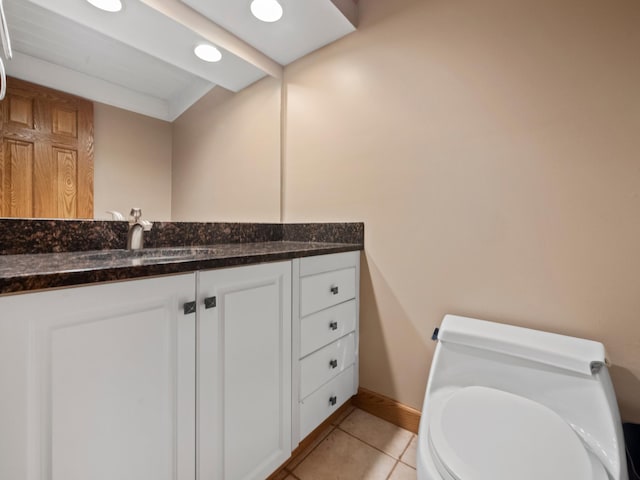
<point x="142" y="58"/>
<point x="306" y="25"/>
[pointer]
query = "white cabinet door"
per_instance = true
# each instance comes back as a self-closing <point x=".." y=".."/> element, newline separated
<point x="98" y="382"/>
<point x="244" y="371"/>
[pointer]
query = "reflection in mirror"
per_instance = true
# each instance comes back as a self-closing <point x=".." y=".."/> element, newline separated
<point x="220" y="160"/>
<point x="226" y="156"/>
<point x="137" y="60"/>
<point x="140" y="58"/>
<point x="193" y="150"/>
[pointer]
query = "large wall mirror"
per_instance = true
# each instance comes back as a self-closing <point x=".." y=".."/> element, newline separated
<point x="181" y="138"/>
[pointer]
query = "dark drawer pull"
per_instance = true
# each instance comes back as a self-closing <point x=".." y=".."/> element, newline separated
<point x="210" y="302"/>
<point x="333" y="325"/>
<point x="333" y="363"/>
<point x="333" y="400"/>
<point x="334" y="289"/>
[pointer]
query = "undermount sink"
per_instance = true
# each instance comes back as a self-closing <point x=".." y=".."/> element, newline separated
<point x="150" y="254"/>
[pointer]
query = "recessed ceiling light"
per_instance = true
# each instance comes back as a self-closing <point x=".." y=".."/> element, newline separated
<point x="208" y="53"/>
<point x="266" y="10"/>
<point x="107" y="5"/>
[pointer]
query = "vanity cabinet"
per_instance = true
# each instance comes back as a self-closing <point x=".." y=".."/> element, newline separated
<point x="98" y="382"/>
<point x="325" y="329"/>
<point x="244" y="371"/>
<point x="214" y="375"/>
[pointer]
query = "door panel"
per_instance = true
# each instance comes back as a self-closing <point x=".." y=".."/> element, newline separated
<point x="67" y="182"/>
<point x="99" y="382"/>
<point x="112" y="384"/>
<point x="21" y="111"/>
<point x="45" y="180"/>
<point x="244" y="373"/>
<point x="17" y="191"/>
<point x="65" y="121"/>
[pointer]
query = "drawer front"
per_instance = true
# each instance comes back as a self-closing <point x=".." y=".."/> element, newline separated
<point x="324" y="327"/>
<point x="323" y="365"/>
<point x="327" y="399"/>
<point x="324" y="290"/>
<point x="327" y="263"/>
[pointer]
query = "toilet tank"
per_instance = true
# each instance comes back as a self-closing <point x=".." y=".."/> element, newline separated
<point x="567" y="374"/>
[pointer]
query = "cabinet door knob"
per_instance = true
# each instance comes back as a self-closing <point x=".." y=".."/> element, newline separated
<point x="333" y="325"/>
<point x="333" y="363"/>
<point x="334" y="289"/>
<point x="210" y="302"/>
<point x="333" y="400"/>
<point x="189" y="307"/>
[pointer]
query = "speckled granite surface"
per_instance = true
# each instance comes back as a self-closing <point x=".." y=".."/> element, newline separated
<point x="47" y="236"/>
<point x="167" y="234"/>
<point x="20" y="236"/>
<point x="323" y="232"/>
<point x="19" y="273"/>
<point x="64" y="253"/>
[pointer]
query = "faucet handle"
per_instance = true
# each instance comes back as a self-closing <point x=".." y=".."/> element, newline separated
<point x="136" y="213"/>
<point x="115" y="215"/>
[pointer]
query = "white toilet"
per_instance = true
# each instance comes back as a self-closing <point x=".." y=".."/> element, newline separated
<point x="510" y="403"/>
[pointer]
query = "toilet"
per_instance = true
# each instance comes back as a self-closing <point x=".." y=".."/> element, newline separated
<point x="510" y="403"/>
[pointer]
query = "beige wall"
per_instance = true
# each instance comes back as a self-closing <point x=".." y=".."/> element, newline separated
<point x="132" y="163"/>
<point x="491" y="147"/>
<point x="226" y="156"/>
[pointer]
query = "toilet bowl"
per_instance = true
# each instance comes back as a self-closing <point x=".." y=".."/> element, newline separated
<point x="509" y="403"/>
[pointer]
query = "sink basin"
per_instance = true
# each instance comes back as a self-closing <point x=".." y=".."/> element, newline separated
<point x="149" y="254"/>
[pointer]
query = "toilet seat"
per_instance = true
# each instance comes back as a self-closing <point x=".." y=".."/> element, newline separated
<point x="481" y="433"/>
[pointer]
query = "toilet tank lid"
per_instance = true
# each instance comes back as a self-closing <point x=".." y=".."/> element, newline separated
<point x="569" y="353"/>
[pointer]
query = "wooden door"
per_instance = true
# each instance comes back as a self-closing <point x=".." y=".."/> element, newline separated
<point x="46" y="153"/>
<point x="98" y="382"/>
<point x="244" y="371"/>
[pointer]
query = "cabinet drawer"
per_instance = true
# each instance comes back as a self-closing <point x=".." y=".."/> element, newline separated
<point x="326" y="326"/>
<point x="327" y="399"/>
<point x="321" y="366"/>
<point x="327" y="263"/>
<point x="324" y="290"/>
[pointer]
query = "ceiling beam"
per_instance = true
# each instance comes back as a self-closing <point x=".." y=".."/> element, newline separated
<point x="186" y="16"/>
<point x="64" y="79"/>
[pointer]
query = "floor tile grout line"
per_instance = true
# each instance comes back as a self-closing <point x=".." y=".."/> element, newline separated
<point x="333" y="429"/>
<point x="367" y="443"/>
<point x="395" y="465"/>
<point x="408" y="465"/>
<point x="406" y="448"/>
<point x="337" y="427"/>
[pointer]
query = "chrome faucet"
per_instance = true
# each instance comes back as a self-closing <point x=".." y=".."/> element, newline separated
<point x="137" y="227"/>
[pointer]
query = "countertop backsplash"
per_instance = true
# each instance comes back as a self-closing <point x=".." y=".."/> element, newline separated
<point x="29" y="236"/>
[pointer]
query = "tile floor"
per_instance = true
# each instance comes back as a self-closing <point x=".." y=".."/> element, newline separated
<point x="357" y="446"/>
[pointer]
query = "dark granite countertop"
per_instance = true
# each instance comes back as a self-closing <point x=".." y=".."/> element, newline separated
<point x="27" y="272"/>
